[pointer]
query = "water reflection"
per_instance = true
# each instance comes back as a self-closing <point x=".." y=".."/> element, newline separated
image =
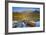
<point x="25" y="24"/>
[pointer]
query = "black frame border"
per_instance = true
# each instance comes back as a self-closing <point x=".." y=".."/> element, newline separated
<point x="6" y="16"/>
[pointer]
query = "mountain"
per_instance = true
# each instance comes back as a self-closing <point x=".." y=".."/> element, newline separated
<point x="36" y="12"/>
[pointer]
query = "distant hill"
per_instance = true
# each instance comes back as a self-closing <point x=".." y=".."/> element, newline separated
<point x="24" y="11"/>
<point x="28" y="11"/>
<point x="36" y="12"/>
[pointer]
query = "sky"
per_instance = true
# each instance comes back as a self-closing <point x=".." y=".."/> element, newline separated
<point x="20" y="9"/>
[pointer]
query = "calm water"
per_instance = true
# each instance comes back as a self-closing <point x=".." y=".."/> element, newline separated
<point x="22" y="24"/>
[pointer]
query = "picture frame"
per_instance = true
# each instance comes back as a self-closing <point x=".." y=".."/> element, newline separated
<point x="12" y="4"/>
